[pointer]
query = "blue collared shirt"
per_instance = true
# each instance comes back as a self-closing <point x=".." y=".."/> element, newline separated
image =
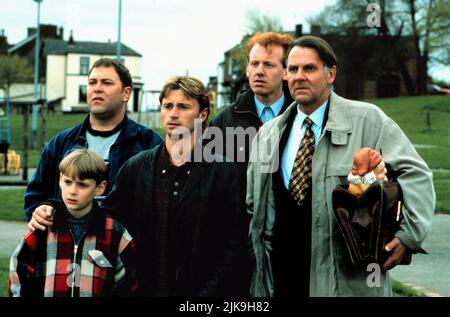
<point x="276" y="106"/>
<point x="295" y="137"/>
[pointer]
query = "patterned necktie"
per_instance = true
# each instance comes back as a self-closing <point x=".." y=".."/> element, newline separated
<point x="267" y="114"/>
<point x="301" y="176"/>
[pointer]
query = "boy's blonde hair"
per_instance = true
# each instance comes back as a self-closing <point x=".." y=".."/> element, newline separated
<point x="84" y="164"/>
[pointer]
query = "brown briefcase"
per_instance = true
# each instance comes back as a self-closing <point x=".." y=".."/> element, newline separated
<point x="369" y="221"/>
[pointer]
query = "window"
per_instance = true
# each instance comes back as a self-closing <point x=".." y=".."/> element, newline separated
<point x="82" y="94"/>
<point x="84" y="65"/>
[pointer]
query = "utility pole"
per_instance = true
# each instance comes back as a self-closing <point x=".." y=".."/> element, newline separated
<point x="36" y="78"/>
<point x="119" y="35"/>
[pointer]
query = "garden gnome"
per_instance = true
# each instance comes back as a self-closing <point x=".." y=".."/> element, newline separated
<point x="368" y="166"/>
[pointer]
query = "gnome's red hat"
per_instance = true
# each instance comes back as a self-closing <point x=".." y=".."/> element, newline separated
<point x="365" y="160"/>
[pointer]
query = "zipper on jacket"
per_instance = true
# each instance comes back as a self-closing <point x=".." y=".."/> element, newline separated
<point x="74" y="261"/>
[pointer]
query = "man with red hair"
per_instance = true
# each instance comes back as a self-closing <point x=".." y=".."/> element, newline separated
<point x="267" y="97"/>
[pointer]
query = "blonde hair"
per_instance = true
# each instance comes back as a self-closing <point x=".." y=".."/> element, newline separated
<point x="84" y="164"/>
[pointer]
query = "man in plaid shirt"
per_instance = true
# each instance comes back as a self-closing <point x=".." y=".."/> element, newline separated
<point x="85" y="253"/>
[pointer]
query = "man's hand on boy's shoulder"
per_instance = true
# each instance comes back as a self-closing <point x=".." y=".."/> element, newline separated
<point x="41" y="218"/>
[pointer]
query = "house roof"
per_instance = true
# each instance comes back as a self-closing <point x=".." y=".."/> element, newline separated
<point x="61" y="47"/>
<point x="21" y="43"/>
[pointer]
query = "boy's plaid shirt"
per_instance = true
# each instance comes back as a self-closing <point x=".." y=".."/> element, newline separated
<point x="42" y="264"/>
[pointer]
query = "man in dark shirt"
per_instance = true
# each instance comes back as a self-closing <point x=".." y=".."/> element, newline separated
<point x="184" y="213"/>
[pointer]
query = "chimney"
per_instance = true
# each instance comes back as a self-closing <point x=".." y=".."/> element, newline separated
<point x="31" y="31"/>
<point x="3" y="42"/>
<point x="61" y="33"/>
<point x="298" y="30"/>
<point x="71" y="41"/>
<point x="315" y="29"/>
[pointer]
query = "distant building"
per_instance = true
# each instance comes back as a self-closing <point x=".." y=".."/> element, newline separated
<point x="368" y="66"/>
<point x="64" y="66"/>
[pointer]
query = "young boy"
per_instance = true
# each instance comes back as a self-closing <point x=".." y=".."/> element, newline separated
<point x="85" y="253"/>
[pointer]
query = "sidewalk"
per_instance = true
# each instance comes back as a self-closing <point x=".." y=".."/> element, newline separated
<point x="15" y="180"/>
<point x="10" y="234"/>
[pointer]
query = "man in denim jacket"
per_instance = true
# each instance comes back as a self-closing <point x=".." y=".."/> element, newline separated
<point x="106" y="130"/>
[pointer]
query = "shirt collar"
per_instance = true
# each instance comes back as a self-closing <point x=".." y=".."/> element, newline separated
<point x="317" y="117"/>
<point x="95" y="226"/>
<point x="164" y="160"/>
<point x="276" y="106"/>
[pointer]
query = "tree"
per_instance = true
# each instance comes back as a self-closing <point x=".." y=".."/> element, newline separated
<point x="425" y="22"/>
<point x="13" y="70"/>
<point x="260" y="22"/>
<point x="256" y="22"/>
<point x="435" y="30"/>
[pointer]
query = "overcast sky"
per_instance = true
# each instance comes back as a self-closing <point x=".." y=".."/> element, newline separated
<point x="174" y="36"/>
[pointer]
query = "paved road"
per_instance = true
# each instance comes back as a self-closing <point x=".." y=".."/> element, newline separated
<point x="430" y="273"/>
<point x="10" y="234"/>
<point x="427" y="273"/>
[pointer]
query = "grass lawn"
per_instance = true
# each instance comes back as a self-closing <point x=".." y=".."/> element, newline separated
<point x="410" y="114"/>
<point x="441" y="181"/>
<point x="11" y="207"/>
<point x="4" y="275"/>
<point x="55" y="124"/>
<point x="401" y="290"/>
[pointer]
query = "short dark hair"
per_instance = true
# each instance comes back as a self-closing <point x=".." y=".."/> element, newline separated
<point x="191" y="86"/>
<point x="121" y="70"/>
<point x="318" y="44"/>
